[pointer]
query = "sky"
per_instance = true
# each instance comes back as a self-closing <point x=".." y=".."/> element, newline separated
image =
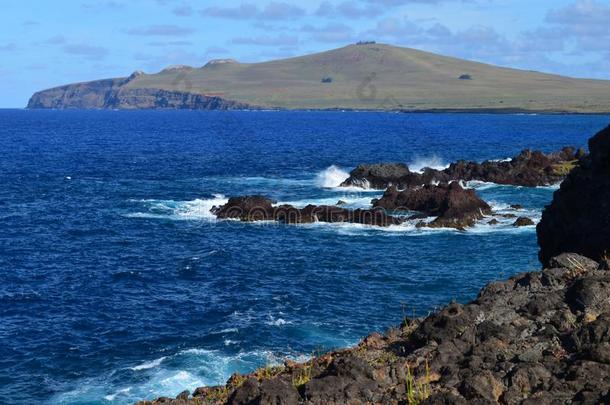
<point x="49" y="43"/>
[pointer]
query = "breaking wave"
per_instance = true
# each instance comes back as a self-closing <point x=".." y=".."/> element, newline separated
<point x="331" y="177"/>
<point x="198" y="209"/>
<point x="433" y="162"/>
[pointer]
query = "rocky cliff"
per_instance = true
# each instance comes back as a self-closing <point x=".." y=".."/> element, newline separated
<point x="116" y="94"/>
<point x="578" y="220"/>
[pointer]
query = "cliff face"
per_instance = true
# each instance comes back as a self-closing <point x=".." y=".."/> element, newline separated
<point x="82" y="95"/>
<point x="113" y="94"/>
<point x="578" y="220"/>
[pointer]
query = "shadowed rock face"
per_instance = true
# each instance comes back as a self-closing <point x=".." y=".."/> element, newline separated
<point x="454" y="206"/>
<point x="526" y="169"/>
<point x="259" y="208"/>
<point x="112" y="94"/>
<point x="578" y="220"/>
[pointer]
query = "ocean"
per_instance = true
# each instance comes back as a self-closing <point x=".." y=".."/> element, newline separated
<point x="118" y="284"/>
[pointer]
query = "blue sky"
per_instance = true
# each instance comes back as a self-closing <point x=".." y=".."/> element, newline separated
<point x="48" y="43"/>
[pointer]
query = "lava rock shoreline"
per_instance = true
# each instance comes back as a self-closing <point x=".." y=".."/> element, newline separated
<point x="537" y="338"/>
<point x="528" y="169"/>
<point x="450" y="204"/>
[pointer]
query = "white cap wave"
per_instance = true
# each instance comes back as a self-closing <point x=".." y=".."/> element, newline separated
<point x="331" y="177"/>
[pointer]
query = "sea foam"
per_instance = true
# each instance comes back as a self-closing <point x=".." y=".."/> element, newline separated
<point x="199" y="209"/>
<point x="433" y="162"/>
<point x="331" y="177"/>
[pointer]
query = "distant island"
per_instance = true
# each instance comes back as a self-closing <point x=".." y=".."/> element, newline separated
<point x="364" y="76"/>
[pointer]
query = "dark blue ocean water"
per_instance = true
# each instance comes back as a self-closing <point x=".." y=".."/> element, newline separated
<point x="117" y="284"/>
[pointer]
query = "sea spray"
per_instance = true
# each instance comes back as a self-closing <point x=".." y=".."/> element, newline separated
<point x="199" y="209"/>
<point x="433" y="162"/>
<point x="331" y="177"/>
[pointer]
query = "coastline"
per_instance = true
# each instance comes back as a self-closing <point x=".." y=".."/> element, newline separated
<point x="522" y="338"/>
<point x="538" y="337"/>
<point x="474" y="111"/>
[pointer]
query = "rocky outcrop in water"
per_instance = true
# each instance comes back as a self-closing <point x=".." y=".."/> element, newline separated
<point x="259" y="208"/>
<point x="526" y="169"/>
<point x="454" y="206"/>
<point x="538" y="338"/>
<point x="578" y="220"/>
<point x="115" y="94"/>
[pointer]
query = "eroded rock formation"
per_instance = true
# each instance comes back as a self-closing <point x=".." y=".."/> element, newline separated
<point x="526" y="169"/>
<point x="259" y="208"/>
<point x="454" y="206"/>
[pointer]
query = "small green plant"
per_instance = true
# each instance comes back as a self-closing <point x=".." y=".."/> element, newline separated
<point x="417" y="392"/>
<point x="303" y="376"/>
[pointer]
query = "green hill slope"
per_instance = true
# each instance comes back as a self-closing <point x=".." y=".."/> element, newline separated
<point x="371" y="76"/>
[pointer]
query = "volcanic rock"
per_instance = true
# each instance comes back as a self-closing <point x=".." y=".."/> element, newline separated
<point x="578" y="220"/>
<point x="454" y="206"/>
<point x="523" y="221"/>
<point x="259" y="208"/>
<point x="529" y="168"/>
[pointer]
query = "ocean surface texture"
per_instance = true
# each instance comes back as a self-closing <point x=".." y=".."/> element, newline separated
<point x="117" y="284"/>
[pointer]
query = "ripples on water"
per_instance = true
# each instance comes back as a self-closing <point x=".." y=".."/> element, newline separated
<point x="118" y="284"/>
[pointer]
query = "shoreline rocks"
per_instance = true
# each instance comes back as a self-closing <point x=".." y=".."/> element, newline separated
<point x="454" y="206"/>
<point x="259" y="208"/>
<point x="538" y="337"/>
<point x="529" y="169"/>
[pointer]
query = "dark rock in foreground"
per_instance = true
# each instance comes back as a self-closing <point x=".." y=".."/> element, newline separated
<point x="454" y="206"/>
<point x="526" y="169"/>
<point x="578" y="220"/>
<point x="537" y="338"/>
<point x="258" y="208"/>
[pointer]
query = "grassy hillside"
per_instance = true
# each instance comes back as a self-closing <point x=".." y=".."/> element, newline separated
<point x="371" y="76"/>
<point x="384" y="77"/>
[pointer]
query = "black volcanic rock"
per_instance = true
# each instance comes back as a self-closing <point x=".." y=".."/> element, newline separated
<point x="454" y="206"/>
<point x="526" y="169"/>
<point x="538" y="337"/>
<point x="246" y="208"/>
<point x="578" y="220"/>
<point x="379" y="175"/>
<point x="259" y="208"/>
<point x="523" y="221"/>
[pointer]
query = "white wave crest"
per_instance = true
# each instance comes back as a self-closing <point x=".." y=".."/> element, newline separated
<point x="198" y="209"/>
<point x="331" y="177"/>
<point x="433" y="162"/>
<point x="350" y="201"/>
<point x="149" y="364"/>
